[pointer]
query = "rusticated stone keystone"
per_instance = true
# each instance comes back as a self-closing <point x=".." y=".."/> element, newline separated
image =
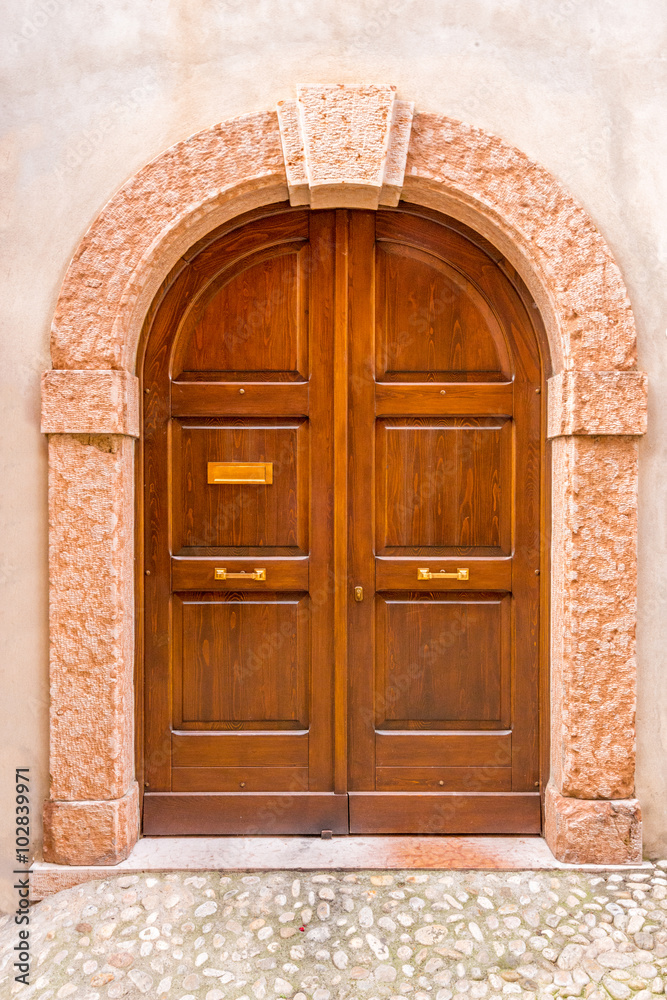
<point x="345" y="146"/>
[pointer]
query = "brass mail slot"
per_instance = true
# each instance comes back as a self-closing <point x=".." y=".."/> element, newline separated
<point x="241" y="472"/>
<point x="424" y="573"/>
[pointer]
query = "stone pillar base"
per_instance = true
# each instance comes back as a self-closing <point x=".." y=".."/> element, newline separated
<point x="593" y="831"/>
<point x="91" y="833"/>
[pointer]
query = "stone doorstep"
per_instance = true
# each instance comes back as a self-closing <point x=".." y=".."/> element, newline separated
<point x="162" y="854"/>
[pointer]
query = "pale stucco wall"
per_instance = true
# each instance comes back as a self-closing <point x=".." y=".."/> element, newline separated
<point x="98" y="89"/>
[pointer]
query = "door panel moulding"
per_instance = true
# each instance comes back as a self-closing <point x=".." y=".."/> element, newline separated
<point x="344" y="147"/>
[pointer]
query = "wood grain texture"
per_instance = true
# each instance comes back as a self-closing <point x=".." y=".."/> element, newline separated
<point x="321" y="754"/>
<point x="224" y="516"/>
<point x="176" y="814"/>
<point x="199" y="573"/>
<point x="237" y="749"/>
<point x="492" y="575"/>
<point x="440" y="658"/>
<point x="430" y="319"/>
<point x="456" y="459"/>
<point x="450" y="749"/>
<point x="444" y="813"/>
<point x="440" y="484"/>
<point x="340" y="497"/>
<point x="387" y="366"/>
<point x="239" y="399"/>
<point x="444" y="779"/>
<point x="228" y="676"/>
<point x="235" y="779"/>
<point x="238" y="367"/>
<point x="252" y="317"/>
<point x="361" y="502"/>
<point x="444" y="399"/>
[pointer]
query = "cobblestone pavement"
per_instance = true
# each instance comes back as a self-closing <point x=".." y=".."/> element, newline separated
<point x="338" y="936"/>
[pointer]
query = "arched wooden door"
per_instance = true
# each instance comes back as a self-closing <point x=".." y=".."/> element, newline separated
<point x="342" y="479"/>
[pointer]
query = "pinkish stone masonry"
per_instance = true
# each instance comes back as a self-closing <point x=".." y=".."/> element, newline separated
<point x="340" y="147"/>
<point x="345" y="147"/>
<point x="94" y="402"/>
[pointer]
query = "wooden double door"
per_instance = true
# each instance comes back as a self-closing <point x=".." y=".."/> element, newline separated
<point x="342" y="479"/>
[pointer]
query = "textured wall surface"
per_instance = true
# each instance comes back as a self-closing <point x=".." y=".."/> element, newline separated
<point x="89" y="401"/>
<point x="579" y="830"/>
<point x="592" y="620"/>
<point x="597" y="403"/>
<point x="96" y="92"/>
<point x="91" y="564"/>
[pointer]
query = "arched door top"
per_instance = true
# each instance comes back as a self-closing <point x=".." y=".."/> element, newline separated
<point x="199" y="183"/>
<point x="338" y="137"/>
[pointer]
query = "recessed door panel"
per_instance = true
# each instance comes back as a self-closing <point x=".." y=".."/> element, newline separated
<point x="441" y="659"/>
<point x="432" y="320"/>
<point x="443" y="483"/>
<point x="252" y="318"/>
<point x="244" y="661"/>
<point x="255" y="516"/>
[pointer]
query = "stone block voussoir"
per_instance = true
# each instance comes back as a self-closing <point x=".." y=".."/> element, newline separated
<point x="90" y="402"/>
<point x="597" y="403"/>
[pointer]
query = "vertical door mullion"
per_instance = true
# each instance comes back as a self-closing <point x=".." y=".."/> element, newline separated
<point x="340" y="458"/>
<point x="361" y="431"/>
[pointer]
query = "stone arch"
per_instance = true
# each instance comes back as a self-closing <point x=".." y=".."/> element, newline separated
<point x="343" y="147"/>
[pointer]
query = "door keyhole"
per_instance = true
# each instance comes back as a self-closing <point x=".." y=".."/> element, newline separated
<point x="358" y="593"/>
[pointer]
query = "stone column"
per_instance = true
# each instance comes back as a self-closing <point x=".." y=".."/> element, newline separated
<point x="591" y="813"/>
<point x="91" y="417"/>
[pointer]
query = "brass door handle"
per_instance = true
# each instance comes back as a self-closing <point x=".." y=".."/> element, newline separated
<point x="424" y="573"/>
<point x="223" y="574"/>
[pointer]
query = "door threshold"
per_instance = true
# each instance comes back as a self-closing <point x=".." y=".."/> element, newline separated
<point x="351" y="853"/>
